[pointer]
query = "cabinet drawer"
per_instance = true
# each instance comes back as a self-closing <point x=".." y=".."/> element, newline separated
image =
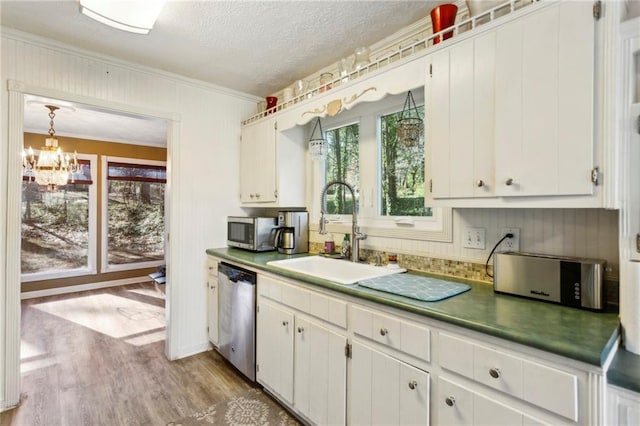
<point x="212" y="267"/>
<point x="329" y="309"/>
<point x="393" y="332"/>
<point x="552" y="389"/>
<point x="498" y="370"/>
<point x="268" y="287"/>
<point x="457" y="405"/>
<point x="546" y="387"/>
<point x="456" y="355"/>
<point x="386" y="330"/>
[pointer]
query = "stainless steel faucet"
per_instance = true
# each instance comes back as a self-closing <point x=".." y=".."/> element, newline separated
<point x="356" y="235"/>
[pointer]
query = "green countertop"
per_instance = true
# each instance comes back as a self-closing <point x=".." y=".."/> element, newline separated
<point x="624" y="371"/>
<point x="574" y="333"/>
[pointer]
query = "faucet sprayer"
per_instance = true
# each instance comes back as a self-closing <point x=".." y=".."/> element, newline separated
<point x="356" y="235"/>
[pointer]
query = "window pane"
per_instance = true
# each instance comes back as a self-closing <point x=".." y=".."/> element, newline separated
<point x="55" y="228"/>
<point x="147" y="173"/>
<point x="136" y="221"/>
<point x="402" y="186"/>
<point x="342" y="164"/>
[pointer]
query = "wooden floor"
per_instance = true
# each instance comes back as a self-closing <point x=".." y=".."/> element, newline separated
<point x="97" y="358"/>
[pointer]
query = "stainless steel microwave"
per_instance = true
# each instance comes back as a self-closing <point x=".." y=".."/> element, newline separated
<point x="251" y="233"/>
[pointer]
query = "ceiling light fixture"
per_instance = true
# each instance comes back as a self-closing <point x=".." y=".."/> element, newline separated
<point x="52" y="167"/>
<point x="135" y="16"/>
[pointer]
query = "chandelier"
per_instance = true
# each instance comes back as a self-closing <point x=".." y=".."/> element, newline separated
<point x="52" y="167"/>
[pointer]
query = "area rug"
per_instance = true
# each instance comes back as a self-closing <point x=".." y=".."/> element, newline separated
<point x="252" y="408"/>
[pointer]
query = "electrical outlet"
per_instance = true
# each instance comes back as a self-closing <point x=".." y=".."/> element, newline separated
<point x="474" y="238"/>
<point x="511" y="244"/>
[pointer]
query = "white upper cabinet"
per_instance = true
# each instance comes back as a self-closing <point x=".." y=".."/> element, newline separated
<point x="544" y="102"/>
<point x="271" y="165"/>
<point x="511" y="117"/>
<point x="460" y="124"/>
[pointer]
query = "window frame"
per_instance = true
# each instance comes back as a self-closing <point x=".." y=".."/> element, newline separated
<point x="437" y="227"/>
<point x="91" y="267"/>
<point x="105" y="267"/>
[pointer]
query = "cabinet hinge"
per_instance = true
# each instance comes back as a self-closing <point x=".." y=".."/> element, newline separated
<point x="595" y="176"/>
<point x="275" y="194"/>
<point x="638" y="123"/>
<point x="207" y="329"/>
<point x="430" y="70"/>
<point x="275" y="125"/>
<point x="638" y="243"/>
<point x="597" y="9"/>
<point x="257" y="368"/>
<point x="430" y="185"/>
<point x="257" y="308"/>
<point x="347" y="350"/>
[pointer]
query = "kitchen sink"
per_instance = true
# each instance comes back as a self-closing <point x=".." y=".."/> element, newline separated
<point x="337" y="270"/>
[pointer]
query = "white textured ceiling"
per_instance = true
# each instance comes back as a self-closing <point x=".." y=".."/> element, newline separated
<point x="256" y="47"/>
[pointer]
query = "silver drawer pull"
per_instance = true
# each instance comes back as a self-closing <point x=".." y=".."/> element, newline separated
<point x="450" y="401"/>
<point x="479" y="183"/>
<point x="494" y="372"/>
<point x="413" y="384"/>
<point x="384" y="331"/>
<point x="508" y="182"/>
<point x="300" y="329"/>
<point x="285" y="323"/>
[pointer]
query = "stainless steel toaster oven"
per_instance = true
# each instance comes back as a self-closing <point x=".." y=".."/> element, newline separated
<point x="569" y="281"/>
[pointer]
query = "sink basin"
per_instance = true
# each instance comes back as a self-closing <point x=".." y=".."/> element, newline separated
<point x="340" y="271"/>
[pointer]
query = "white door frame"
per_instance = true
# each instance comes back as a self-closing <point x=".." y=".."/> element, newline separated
<point x="17" y="90"/>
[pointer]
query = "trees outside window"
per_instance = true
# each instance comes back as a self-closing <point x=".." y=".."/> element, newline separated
<point x="135" y="191"/>
<point x="342" y="164"/>
<point x="402" y="171"/>
<point x="58" y="227"/>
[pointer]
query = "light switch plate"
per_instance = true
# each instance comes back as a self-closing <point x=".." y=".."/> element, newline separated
<point x="474" y="238"/>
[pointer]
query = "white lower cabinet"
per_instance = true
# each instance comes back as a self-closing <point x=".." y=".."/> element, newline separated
<point x="386" y="391"/>
<point x="337" y="360"/>
<point x="320" y="372"/>
<point x="301" y="359"/>
<point x="212" y="300"/>
<point x="274" y="349"/>
<point x="624" y="407"/>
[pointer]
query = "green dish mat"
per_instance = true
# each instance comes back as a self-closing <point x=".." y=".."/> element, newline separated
<point x="417" y="287"/>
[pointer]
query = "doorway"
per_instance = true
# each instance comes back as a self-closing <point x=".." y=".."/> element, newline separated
<point x="18" y="95"/>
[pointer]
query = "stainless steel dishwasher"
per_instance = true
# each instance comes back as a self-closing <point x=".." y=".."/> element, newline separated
<point x="237" y="315"/>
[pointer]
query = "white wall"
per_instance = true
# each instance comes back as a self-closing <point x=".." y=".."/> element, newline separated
<point x="202" y="162"/>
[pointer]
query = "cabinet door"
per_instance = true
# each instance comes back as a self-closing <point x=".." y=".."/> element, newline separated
<point x="320" y="373"/>
<point x="544" y="105"/>
<point x="460" y="119"/>
<point x="275" y="349"/>
<point x="212" y="311"/>
<point x="258" y="162"/>
<point x="212" y="300"/>
<point x="380" y="392"/>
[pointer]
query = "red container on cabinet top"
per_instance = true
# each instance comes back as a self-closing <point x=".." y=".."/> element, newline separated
<point x="442" y="17"/>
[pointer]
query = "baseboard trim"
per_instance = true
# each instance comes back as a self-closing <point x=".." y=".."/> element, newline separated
<point x="82" y="287"/>
<point x="192" y="350"/>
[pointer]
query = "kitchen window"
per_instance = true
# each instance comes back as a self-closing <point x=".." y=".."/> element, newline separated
<point x="342" y="164"/>
<point x="58" y="237"/>
<point x="133" y="213"/>
<point x="389" y="178"/>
